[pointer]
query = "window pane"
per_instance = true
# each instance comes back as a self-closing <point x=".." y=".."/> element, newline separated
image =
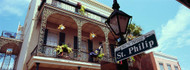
<point x="114" y="24"/>
<point x="12" y="61"/>
<point x="6" y="62"/>
<point x="52" y="39"/>
<point x="169" y="67"/>
<point x="161" y="66"/>
<point x="2" y="55"/>
<point x="9" y="51"/>
<point x="84" y="56"/>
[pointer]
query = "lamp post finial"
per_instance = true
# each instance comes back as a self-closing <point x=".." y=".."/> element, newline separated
<point x="115" y="5"/>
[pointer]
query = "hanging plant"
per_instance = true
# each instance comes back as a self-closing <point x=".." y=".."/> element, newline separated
<point x="63" y="48"/>
<point x="100" y="56"/>
<point x="97" y="53"/>
<point x="81" y="7"/>
<point x="78" y="5"/>
<point x="82" y="10"/>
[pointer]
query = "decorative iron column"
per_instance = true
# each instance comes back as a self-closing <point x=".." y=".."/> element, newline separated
<point x="107" y="42"/>
<point x="45" y="14"/>
<point x="40" y="48"/>
<point x="37" y="66"/>
<point x="79" y="67"/>
<point x="106" y="32"/>
<point x="79" y="23"/>
<point x="79" y="39"/>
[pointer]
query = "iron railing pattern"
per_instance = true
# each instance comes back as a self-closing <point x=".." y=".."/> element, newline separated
<point x="66" y="5"/>
<point x="49" y="51"/>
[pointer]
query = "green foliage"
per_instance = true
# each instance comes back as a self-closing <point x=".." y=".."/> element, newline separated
<point x="63" y="48"/>
<point x="82" y="10"/>
<point x="132" y="59"/>
<point x="133" y="31"/>
<point x="100" y="55"/>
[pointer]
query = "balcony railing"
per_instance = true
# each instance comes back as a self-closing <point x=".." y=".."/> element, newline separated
<point x="49" y="51"/>
<point x="73" y="8"/>
<point x="11" y="35"/>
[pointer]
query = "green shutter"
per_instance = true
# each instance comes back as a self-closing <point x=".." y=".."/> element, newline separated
<point x="61" y="38"/>
<point x="45" y="36"/>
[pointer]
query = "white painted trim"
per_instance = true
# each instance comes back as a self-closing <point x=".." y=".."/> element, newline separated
<point x="65" y="62"/>
<point x="165" y="56"/>
<point x="11" y="39"/>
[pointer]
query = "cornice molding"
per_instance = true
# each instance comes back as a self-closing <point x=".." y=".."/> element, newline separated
<point x="165" y="56"/>
<point x="99" y="5"/>
<point x="57" y="61"/>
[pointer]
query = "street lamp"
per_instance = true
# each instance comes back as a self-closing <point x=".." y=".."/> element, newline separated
<point x="118" y="22"/>
<point x="79" y="67"/>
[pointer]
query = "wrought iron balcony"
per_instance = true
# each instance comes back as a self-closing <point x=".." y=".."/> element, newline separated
<point x="11" y="35"/>
<point x="49" y="51"/>
<point x="69" y="6"/>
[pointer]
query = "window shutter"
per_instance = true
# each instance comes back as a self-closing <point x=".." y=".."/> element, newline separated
<point x="90" y="46"/>
<point x="61" y="38"/>
<point x="100" y="43"/>
<point x="112" y="50"/>
<point x="90" y="49"/>
<point x="75" y="46"/>
<point x="75" y="42"/>
<point x="45" y="36"/>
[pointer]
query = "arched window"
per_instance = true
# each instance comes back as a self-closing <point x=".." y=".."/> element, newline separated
<point x="7" y="60"/>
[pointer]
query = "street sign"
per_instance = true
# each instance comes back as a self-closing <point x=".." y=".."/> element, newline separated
<point x="136" y="46"/>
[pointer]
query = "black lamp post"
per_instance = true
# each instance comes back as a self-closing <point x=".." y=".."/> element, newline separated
<point x="118" y="22"/>
<point x="79" y="67"/>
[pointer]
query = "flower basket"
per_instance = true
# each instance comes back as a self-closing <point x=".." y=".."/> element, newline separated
<point x="63" y="49"/>
<point x="97" y="54"/>
<point x="100" y="56"/>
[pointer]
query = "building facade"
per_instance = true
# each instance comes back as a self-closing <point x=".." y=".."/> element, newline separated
<point x="42" y="36"/>
<point x="10" y="46"/>
<point x="166" y="62"/>
<point x="34" y="48"/>
<point x="155" y="61"/>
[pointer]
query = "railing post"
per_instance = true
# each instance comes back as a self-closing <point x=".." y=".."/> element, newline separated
<point x="37" y="66"/>
<point x="79" y="67"/>
<point x="76" y="10"/>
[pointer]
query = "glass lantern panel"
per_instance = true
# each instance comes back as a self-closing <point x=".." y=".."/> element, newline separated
<point x="114" y="24"/>
<point x="123" y="20"/>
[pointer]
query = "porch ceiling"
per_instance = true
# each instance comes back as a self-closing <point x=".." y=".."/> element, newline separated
<point x="61" y="19"/>
<point x="89" y="28"/>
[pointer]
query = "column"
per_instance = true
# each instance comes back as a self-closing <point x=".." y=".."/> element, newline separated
<point x="79" y="36"/>
<point x="107" y="43"/>
<point x="45" y="14"/>
<point x="37" y="66"/>
<point x="40" y="48"/>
